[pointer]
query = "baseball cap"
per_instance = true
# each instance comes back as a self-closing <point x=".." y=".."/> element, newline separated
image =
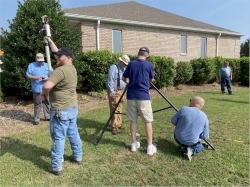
<point x="39" y="57"/>
<point x="64" y="51"/>
<point x="145" y="49"/>
<point x="124" y="59"/>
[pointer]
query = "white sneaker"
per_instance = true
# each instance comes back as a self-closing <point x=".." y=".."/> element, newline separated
<point x="189" y="153"/>
<point x="151" y="150"/>
<point x="135" y="146"/>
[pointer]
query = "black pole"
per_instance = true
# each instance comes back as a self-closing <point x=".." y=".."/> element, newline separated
<point x="163" y="96"/>
<point x="209" y="144"/>
<point x="110" y="117"/>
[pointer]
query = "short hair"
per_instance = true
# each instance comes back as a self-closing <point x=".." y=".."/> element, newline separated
<point x="226" y="62"/>
<point x="199" y="100"/>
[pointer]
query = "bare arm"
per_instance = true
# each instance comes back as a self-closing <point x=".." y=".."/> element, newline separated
<point x="51" y="44"/>
<point x="46" y="88"/>
<point x="34" y="78"/>
<point x="125" y="80"/>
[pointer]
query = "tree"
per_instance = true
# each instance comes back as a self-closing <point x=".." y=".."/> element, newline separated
<point x="25" y="40"/>
<point x="244" y="49"/>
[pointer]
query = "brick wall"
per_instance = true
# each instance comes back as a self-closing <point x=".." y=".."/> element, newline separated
<point x="161" y="42"/>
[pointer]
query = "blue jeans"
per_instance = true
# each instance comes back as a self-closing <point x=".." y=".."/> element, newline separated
<point x="227" y="81"/>
<point x="195" y="149"/>
<point x="62" y="123"/>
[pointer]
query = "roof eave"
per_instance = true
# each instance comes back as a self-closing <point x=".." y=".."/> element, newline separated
<point x="120" y="21"/>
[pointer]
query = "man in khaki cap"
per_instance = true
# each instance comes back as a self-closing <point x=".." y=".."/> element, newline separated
<point x="38" y="73"/>
<point x="115" y="88"/>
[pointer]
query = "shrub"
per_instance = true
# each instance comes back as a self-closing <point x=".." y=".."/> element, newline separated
<point x="25" y="39"/>
<point x="244" y="71"/>
<point x="204" y="70"/>
<point x="184" y="72"/>
<point x="164" y="70"/>
<point x="92" y="69"/>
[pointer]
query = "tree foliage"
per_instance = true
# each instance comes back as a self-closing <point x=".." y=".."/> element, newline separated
<point x="25" y="39"/>
<point x="244" y="49"/>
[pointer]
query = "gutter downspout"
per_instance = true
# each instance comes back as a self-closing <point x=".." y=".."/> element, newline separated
<point x="98" y="36"/>
<point x="217" y="44"/>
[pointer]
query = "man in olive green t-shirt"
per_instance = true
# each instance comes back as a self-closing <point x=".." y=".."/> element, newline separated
<point x="61" y="87"/>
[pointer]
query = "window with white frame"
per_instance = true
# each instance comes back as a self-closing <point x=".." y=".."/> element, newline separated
<point x="117" y="41"/>
<point x="183" y="48"/>
<point x="203" y="47"/>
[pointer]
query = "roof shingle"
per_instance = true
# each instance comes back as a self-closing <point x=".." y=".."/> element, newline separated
<point x="134" y="11"/>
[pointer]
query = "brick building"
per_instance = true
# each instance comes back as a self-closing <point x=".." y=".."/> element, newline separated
<point x="126" y="26"/>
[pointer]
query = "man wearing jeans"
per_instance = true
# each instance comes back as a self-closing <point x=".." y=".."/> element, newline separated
<point x="226" y="78"/>
<point x="38" y="73"/>
<point x="61" y="87"/>
<point x="191" y="124"/>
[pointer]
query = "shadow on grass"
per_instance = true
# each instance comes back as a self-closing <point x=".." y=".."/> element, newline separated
<point x="25" y="151"/>
<point x="16" y="115"/>
<point x="230" y="100"/>
<point x="91" y="130"/>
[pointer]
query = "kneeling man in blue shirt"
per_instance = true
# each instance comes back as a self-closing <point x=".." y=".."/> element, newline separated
<point x="191" y="124"/>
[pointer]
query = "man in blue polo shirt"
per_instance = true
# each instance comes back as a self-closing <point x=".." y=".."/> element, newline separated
<point x="226" y="78"/>
<point x="138" y="76"/>
<point x="38" y="73"/>
<point x="191" y="124"/>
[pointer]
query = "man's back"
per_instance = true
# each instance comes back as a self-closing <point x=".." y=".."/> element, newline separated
<point x="139" y="73"/>
<point x="190" y="125"/>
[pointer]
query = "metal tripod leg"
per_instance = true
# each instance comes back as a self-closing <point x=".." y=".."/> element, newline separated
<point x="177" y="110"/>
<point x="110" y="117"/>
<point x="164" y="96"/>
<point x="209" y="144"/>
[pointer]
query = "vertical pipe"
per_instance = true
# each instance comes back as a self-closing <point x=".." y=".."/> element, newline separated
<point x="217" y="44"/>
<point x="98" y="36"/>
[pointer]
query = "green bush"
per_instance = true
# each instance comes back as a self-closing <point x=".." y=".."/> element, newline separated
<point x="204" y="70"/>
<point x="244" y="71"/>
<point x="25" y="38"/>
<point x="184" y="72"/>
<point x="164" y="70"/>
<point x="92" y="68"/>
<point x="1" y="95"/>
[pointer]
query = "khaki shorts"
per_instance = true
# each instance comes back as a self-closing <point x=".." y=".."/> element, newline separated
<point x="139" y="107"/>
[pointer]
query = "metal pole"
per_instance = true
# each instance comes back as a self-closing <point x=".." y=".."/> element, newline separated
<point x="46" y="32"/>
<point x="110" y="117"/>
<point x="163" y="96"/>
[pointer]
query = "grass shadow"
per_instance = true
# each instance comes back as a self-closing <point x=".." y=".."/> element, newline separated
<point x="25" y="151"/>
<point x="90" y="131"/>
<point x="234" y="101"/>
<point x="26" y="117"/>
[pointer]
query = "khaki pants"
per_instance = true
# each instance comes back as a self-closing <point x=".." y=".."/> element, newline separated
<point x="116" y="120"/>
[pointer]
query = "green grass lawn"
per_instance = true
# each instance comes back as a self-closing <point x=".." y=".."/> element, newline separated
<point x="24" y="157"/>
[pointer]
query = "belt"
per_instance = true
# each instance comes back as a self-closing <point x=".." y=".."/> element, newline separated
<point x="191" y="145"/>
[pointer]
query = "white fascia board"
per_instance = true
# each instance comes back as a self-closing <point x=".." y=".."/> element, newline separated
<point x="81" y="17"/>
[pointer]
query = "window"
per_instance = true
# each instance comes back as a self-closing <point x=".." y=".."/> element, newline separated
<point x="117" y="41"/>
<point x="203" y="47"/>
<point x="183" y="45"/>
